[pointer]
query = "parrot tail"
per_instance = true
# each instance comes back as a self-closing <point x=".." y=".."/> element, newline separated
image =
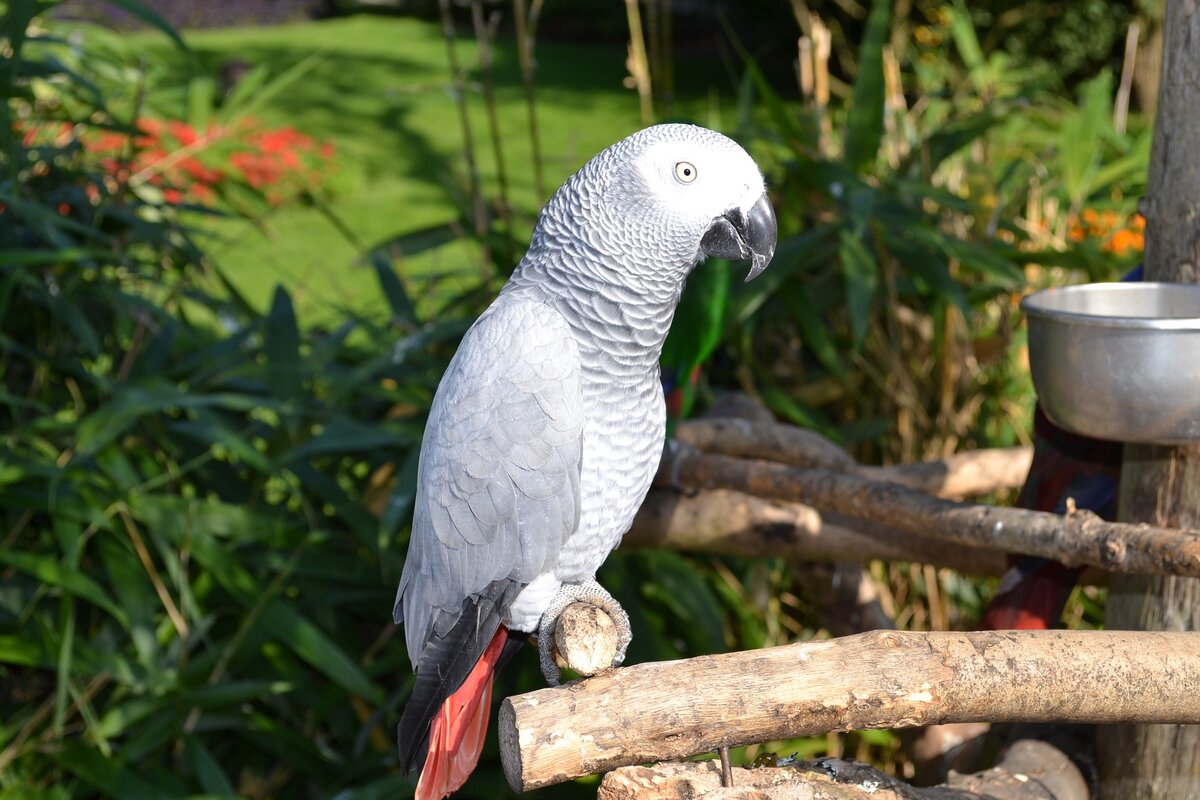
<point x="441" y="730"/>
<point x="457" y="731"/>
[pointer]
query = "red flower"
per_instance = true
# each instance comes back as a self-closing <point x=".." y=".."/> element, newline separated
<point x="198" y="172"/>
<point x="184" y="134"/>
<point x="107" y="142"/>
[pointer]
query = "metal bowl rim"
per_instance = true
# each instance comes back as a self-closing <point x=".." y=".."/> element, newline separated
<point x="1032" y="308"/>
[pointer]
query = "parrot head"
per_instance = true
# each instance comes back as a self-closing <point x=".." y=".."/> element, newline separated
<point x="677" y="193"/>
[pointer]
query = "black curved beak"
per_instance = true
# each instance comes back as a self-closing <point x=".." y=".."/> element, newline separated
<point x="739" y="234"/>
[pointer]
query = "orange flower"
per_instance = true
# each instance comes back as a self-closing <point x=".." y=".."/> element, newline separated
<point x="1125" y="241"/>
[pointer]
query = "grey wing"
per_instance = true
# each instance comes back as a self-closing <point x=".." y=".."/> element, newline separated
<point x="498" y="478"/>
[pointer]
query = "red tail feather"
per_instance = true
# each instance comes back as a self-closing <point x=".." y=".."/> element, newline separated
<point x="456" y="733"/>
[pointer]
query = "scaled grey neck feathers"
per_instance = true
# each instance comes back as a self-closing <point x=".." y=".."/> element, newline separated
<point x="617" y="296"/>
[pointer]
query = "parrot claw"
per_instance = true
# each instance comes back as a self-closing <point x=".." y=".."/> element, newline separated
<point x="588" y="592"/>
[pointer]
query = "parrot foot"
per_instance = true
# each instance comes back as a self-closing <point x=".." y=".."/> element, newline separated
<point x="588" y="592"/>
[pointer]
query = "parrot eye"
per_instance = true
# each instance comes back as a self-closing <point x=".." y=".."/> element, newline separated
<point x="685" y="171"/>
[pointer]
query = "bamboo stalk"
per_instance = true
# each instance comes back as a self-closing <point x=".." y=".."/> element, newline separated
<point x="526" y="24"/>
<point x="458" y="89"/>
<point x="822" y="40"/>
<point x="484" y="32"/>
<point x="638" y="62"/>
<point x="1121" y="104"/>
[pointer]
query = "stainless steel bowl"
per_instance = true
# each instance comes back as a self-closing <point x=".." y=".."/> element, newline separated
<point x="1118" y="361"/>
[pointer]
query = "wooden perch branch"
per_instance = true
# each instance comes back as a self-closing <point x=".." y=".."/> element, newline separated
<point x="585" y="639"/>
<point x="963" y="475"/>
<point x="883" y="679"/>
<point x="1029" y="770"/>
<point x="1080" y="538"/>
<point x="732" y="523"/>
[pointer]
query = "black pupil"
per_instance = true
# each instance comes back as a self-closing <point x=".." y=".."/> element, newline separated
<point x="687" y="171"/>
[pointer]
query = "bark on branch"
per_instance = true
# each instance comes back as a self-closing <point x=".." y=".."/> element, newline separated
<point x="737" y="524"/>
<point x="1079" y="538"/>
<point x="883" y="679"/>
<point x="1029" y="770"/>
<point x="958" y="476"/>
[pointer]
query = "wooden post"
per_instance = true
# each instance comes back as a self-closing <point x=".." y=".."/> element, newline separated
<point x="1161" y="485"/>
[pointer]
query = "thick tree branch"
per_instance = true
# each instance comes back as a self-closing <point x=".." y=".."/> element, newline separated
<point x="1029" y="770"/>
<point x="1079" y="538"/>
<point x="962" y="475"/>
<point x="585" y="639"/>
<point x="884" y="679"/>
<point x="732" y="523"/>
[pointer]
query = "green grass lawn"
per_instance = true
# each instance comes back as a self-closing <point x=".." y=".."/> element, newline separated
<point x="381" y="91"/>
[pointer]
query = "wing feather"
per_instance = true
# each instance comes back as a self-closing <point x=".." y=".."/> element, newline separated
<point x="498" y="478"/>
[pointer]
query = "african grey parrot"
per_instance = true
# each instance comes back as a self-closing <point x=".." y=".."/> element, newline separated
<point x="548" y="425"/>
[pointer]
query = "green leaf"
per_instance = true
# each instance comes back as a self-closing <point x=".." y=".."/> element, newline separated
<point x="308" y="641"/>
<point x="699" y="319"/>
<point x="780" y="113"/>
<point x="797" y="413"/>
<point x="67" y="255"/>
<point x="283" y="621"/>
<point x="974" y="257"/>
<point x="282" y="347"/>
<point x="816" y="332"/>
<point x="210" y="428"/>
<point x="400" y="502"/>
<point x="21" y="650"/>
<point x="393" y="289"/>
<point x="151" y="17"/>
<point x="254" y="91"/>
<point x="678" y="585"/>
<point x="397" y="785"/>
<point x="1132" y="165"/>
<point x="112" y="777"/>
<point x="953" y="137"/>
<point x="55" y="572"/>
<point x="201" y="95"/>
<point x="860" y="274"/>
<point x="134" y="592"/>
<point x="793" y="256"/>
<point x="134" y="400"/>
<point x="419" y="241"/>
<point x="864" y="126"/>
<point x="206" y="769"/>
<point x="963" y="33"/>
<point x="348" y="436"/>
<point x="1081" y="138"/>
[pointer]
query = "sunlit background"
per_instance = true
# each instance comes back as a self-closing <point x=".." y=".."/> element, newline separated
<point x="239" y="242"/>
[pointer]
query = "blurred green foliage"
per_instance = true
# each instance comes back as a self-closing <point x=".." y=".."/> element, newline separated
<point x="204" y="502"/>
<point x="888" y="319"/>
